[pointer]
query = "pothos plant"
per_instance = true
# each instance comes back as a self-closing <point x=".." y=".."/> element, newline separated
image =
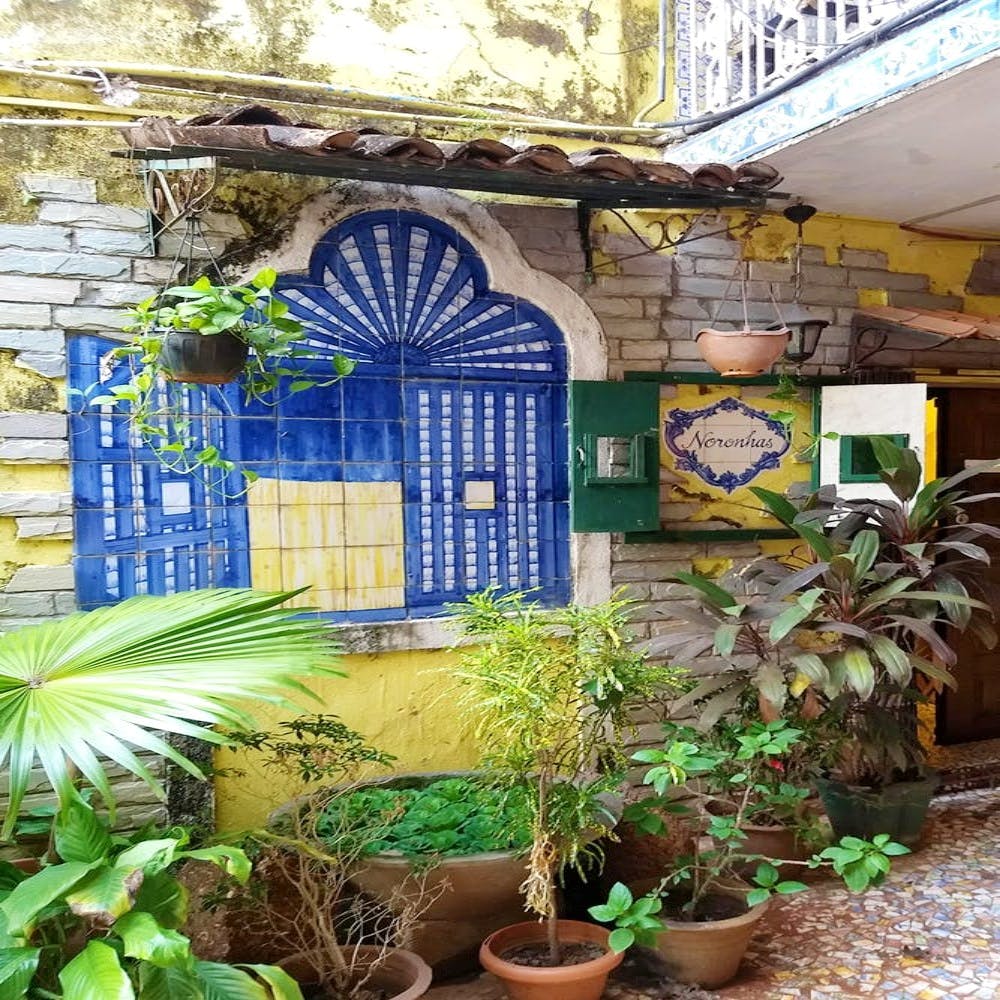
<point x="550" y="690"/>
<point x="728" y="774"/>
<point x="275" y="364"/>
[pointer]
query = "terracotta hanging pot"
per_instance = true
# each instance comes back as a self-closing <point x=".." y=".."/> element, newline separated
<point x="584" y="981"/>
<point x="741" y="353"/>
<point x="204" y="359"/>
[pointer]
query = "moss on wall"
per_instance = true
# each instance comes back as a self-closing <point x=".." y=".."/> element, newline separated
<point x="21" y="389"/>
<point x="554" y="57"/>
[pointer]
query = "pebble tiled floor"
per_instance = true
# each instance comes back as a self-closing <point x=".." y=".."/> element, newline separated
<point x="931" y="932"/>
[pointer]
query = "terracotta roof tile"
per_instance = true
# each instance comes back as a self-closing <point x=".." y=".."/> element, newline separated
<point x="943" y="322"/>
<point x="258" y="128"/>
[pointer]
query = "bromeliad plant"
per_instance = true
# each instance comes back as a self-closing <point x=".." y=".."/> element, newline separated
<point x="551" y="690"/>
<point x="850" y="620"/>
<point x="732" y="775"/>
<point x="100" y="918"/>
<point x="252" y="332"/>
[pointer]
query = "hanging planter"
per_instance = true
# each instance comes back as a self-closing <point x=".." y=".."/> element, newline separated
<point x="208" y="334"/>
<point x="741" y="353"/>
<point x="744" y="351"/>
<point x="190" y="356"/>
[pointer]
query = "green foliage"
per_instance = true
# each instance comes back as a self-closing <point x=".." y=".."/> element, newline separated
<point x="550" y="691"/>
<point x="312" y="747"/>
<point x="278" y="364"/>
<point x="107" y="681"/>
<point x="853" y="620"/>
<point x="98" y="928"/>
<point x="452" y="817"/>
<point x="726" y="775"/>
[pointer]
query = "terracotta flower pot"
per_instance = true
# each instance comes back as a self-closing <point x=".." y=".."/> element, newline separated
<point x="203" y="359"/>
<point x="708" y="953"/>
<point x="743" y="352"/>
<point x="565" y="982"/>
<point x="401" y="976"/>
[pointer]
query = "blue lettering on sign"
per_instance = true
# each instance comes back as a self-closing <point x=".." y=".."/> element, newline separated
<point x="727" y="444"/>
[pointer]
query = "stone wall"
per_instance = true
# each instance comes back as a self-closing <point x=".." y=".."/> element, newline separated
<point x="74" y="269"/>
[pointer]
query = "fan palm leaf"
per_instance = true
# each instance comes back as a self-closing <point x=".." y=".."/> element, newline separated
<point x="107" y="683"/>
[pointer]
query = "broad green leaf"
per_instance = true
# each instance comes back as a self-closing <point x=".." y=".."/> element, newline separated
<point x="757" y="896"/>
<point x="718" y="597"/>
<point x="859" y="671"/>
<point x="95" y="974"/>
<point x="603" y="913"/>
<point x="894" y="850"/>
<point x="80" y="833"/>
<point x="812" y="666"/>
<point x="620" y="897"/>
<point x="225" y="982"/>
<point x="164" y="898"/>
<point x="794" y="615"/>
<point x="231" y="860"/>
<point x="32" y="895"/>
<point x="788" y="887"/>
<point x="864" y="546"/>
<point x="145" y="939"/>
<point x="934" y="671"/>
<point x="886" y="593"/>
<point x="283" y="987"/>
<point x="766" y="875"/>
<point x="105" y="894"/>
<point x="110" y="681"/>
<point x="621" y="939"/>
<point x="17" y="969"/>
<point x="265" y="278"/>
<point x="157" y="983"/>
<point x="895" y="661"/>
<point x="776" y="504"/>
<point x="10" y="876"/>
<point x="150" y="855"/>
<point x="725" y="637"/>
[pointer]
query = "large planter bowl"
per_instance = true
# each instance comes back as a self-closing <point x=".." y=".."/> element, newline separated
<point x="473" y="895"/>
<point x="400" y="976"/>
<point x="898" y="809"/>
<point x="189" y="356"/>
<point x="741" y="353"/>
<point x="585" y="981"/>
<point x="708" y="953"/>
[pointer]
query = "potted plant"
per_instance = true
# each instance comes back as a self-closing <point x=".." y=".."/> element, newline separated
<point x="702" y="914"/>
<point x="100" y="917"/>
<point x="550" y="692"/>
<point x="848" y="624"/>
<point x="456" y="837"/>
<point x="300" y="910"/>
<point x="207" y="334"/>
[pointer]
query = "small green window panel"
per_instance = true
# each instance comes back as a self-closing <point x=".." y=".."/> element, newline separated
<point x="858" y="463"/>
<point x="615" y="481"/>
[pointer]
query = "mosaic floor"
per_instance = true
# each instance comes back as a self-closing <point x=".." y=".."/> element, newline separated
<point x="932" y="932"/>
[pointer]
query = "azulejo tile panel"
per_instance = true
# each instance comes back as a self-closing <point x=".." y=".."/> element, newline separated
<point x="362" y="490"/>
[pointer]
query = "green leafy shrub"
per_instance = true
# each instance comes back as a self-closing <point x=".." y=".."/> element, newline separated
<point x="451" y="817"/>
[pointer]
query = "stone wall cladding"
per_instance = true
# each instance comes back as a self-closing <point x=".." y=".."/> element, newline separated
<point x="72" y="272"/>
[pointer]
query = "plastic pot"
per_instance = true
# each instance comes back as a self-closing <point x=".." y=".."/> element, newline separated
<point x="898" y="809"/>
<point x="708" y="953"/>
<point x="204" y="359"/>
<point x="741" y="353"/>
<point x="585" y="981"/>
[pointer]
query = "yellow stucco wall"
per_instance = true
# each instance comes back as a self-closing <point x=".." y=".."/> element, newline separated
<point x="403" y="703"/>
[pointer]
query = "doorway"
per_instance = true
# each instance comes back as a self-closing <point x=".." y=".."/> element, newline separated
<point x="969" y="431"/>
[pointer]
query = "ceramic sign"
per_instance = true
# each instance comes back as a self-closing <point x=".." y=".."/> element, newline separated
<point x="727" y="444"/>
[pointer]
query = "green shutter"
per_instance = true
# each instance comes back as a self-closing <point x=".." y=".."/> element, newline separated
<point x="623" y="416"/>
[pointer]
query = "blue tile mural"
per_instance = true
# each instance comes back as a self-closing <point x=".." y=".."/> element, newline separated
<point x="438" y="468"/>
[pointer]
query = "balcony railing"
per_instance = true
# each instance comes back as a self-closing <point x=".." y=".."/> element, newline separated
<point x="731" y="50"/>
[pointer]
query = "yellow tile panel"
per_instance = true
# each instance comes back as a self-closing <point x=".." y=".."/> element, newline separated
<point x="375" y="566"/>
<point x="373" y="524"/>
